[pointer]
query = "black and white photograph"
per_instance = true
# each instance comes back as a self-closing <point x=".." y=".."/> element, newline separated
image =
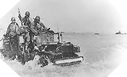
<point x="64" y="38"/>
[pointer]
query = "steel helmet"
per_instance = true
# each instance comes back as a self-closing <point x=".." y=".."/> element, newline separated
<point x="37" y="19"/>
<point x="27" y="13"/>
<point x="13" y="19"/>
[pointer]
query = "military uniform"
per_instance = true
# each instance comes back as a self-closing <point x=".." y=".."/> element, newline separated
<point x="38" y="27"/>
<point x="26" y="24"/>
<point x="13" y="39"/>
<point x="12" y="29"/>
<point x="25" y="21"/>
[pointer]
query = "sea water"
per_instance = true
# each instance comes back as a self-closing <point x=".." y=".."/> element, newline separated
<point x="102" y="53"/>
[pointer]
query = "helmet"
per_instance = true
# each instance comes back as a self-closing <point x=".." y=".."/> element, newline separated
<point x="37" y="19"/>
<point x="27" y="13"/>
<point x="13" y="19"/>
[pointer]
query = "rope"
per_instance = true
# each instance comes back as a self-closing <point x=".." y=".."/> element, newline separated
<point x="1" y="39"/>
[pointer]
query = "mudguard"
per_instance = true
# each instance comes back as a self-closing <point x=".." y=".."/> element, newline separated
<point x="69" y="61"/>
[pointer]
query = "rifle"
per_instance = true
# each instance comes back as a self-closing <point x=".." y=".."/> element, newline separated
<point x="20" y="17"/>
<point x="18" y="10"/>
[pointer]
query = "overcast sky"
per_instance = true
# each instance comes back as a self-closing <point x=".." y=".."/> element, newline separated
<point x="70" y="15"/>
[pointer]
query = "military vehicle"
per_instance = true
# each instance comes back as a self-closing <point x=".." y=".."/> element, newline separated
<point x="48" y="45"/>
<point x="52" y="49"/>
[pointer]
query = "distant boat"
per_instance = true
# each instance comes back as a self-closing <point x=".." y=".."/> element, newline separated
<point x="118" y="32"/>
<point x="96" y="33"/>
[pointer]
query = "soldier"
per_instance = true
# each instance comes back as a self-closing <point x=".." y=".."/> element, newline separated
<point x="26" y="20"/>
<point x="26" y="23"/>
<point x="37" y="25"/>
<point x="12" y="33"/>
<point x="12" y="28"/>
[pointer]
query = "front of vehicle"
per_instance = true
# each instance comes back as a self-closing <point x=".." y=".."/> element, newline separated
<point x="51" y="46"/>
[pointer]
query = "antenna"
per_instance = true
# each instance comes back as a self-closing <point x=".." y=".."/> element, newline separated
<point x="58" y="33"/>
<point x="57" y="28"/>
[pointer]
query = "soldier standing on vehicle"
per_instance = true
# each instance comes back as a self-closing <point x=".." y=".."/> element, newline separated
<point x="26" y="24"/>
<point x="12" y="33"/>
<point x="26" y="20"/>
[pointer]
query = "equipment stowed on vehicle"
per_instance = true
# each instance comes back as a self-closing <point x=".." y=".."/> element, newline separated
<point x="10" y="47"/>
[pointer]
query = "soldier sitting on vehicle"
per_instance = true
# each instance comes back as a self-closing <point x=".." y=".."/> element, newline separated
<point x="37" y="25"/>
<point x="38" y="28"/>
